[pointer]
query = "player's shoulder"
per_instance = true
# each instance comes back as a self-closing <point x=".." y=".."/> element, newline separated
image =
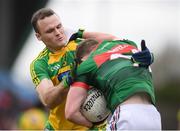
<point x="86" y="66"/>
<point x="41" y="57"/>
<point x="72" y="45"/>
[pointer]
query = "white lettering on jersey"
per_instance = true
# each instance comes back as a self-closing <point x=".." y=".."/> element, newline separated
<point x="118" y="48"/>
<point x="114" y="56"/>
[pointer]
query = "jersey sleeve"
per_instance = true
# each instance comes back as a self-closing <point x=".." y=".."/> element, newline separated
<point x="38" y="71"/>
<point x="81" y="85"/>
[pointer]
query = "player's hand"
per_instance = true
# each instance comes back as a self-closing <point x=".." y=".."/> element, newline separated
<point x="144" y="58"/>
<point x="66" y="78"/>
<point x="99" y="125"/>
<point x="73" y="36"/>
<point x="76" y="35"/>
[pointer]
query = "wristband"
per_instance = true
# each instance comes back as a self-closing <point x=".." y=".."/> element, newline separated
<point x="65" y="84"/>
<point x="80" y="33"/>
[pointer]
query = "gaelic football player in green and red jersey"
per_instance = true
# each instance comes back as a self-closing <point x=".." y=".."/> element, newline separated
<point x="127" y="86"/>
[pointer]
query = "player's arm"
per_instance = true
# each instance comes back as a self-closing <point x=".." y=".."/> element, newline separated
<point x="51" y="95"/>
<point x="99" y="36"/>
<point x="75" y="98"/>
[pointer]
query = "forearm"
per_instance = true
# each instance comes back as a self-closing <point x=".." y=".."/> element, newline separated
<point x="56" y="96"/>
<point x="50" y="95"/>
<point x="99" y="36"/>
<point x="79" y="119"/>
<point x="75" y="98"/>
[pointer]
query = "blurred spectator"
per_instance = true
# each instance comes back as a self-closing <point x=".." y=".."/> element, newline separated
<point x="14" y="99"/>
<point x="32" y="119"/>
<point x="8" y="109"/>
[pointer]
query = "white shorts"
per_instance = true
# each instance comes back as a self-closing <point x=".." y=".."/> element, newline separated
<point x="135" y="117"/>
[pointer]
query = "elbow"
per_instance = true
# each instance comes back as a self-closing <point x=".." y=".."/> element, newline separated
<point x="50" y="106"/>
<point x="44" y="101"/>
<point x="48" y="103"/>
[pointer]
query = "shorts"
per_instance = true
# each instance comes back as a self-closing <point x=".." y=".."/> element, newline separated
<point x="135" y="117"/>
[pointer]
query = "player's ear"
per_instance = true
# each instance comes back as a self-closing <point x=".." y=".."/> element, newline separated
<point x="38" y="36"/>
<point x="84" y="58"/>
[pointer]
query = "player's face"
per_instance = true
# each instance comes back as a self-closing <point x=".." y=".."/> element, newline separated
<point x="51" y="32"/>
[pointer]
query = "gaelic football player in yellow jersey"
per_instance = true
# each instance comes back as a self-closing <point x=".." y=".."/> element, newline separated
<point x="52" y="71"/>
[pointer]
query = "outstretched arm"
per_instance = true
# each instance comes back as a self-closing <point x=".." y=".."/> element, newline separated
<point x="75" y="98"/>
<point x="99" y="36"/>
